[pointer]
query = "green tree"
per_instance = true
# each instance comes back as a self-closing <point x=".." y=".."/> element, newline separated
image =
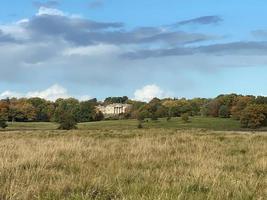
<point x="111" y="100"/>
<point x="260" y="100"/>
<point x="70" y="106"/>
<point x="142" y="114"/>
<point x="98" y="116"/>
<point x="183" y="106"/>
<point x="42" y="109"/>
<point x="87" y="111"/>
<point x="196" y="105"/>
<point x="224" y="111"/>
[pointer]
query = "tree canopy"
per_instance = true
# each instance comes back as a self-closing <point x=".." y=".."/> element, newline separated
<point x="250" y="110"/>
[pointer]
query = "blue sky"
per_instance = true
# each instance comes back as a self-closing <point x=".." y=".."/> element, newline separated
<point x="142" y="49"/>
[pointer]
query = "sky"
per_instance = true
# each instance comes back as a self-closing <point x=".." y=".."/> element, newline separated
<point x="142" y="49"/>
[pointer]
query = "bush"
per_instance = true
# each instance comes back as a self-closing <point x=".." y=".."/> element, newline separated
<point x="140" y="125"/>
<point x="3" y="123"/>
<point x="3" y="120"/>
<point x="254" y="116"/>
<point x="67" y="122"/>
<point x="185" y="117"/>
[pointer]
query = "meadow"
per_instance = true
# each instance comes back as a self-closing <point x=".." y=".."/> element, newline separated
<point x="209" y="123"/>
<point x="204" y="159"/>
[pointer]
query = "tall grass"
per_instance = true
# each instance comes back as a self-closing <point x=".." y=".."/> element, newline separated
<point x="132" y="164"/>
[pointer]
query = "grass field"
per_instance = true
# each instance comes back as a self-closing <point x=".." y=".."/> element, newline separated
<point x="174" y="123"/>
<point x="115" y="160"/>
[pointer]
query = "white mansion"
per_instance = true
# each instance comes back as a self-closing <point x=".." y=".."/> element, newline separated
<point x="114" y="109"/>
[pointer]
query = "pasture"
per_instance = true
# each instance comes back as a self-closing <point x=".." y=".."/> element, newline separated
<point x="211" y="123"/>
<point x="107" y="160"/>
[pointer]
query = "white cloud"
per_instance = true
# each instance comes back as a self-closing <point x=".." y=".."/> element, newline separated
<point x="97" y="50"/>
<point x="149" y="92"/>
<point x="41" y="55"/>
<point x="10" y="94"/>
<point x="84" y="98"/>
<point x="55" y="12"/>
<point x="22" y="21"/>
<point x="49" y="11"/>
<point x="52" y="93"/>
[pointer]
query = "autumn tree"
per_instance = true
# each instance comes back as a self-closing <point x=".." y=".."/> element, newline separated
<point x="239" y="105"/>
<point x="21" y="110"/>
<point x="172" y="108"/>
<point x="4" y="108"/>
<point x="254" y="116"/>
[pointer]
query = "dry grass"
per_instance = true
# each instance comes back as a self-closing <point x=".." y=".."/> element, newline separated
<point x="135" y="164"/>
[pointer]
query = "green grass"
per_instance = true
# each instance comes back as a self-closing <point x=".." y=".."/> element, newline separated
<point x="32" y="126"/>
<point x="175" y="123"/>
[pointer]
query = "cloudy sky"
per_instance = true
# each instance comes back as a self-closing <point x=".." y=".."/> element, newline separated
<point x="142" y="49"/>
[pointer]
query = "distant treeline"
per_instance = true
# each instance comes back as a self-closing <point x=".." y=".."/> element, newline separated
<point x="250" y="110"/>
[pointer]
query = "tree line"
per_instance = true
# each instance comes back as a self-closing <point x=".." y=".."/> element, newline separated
<point x="69" y="111"/>
<point x="250" y="110"/>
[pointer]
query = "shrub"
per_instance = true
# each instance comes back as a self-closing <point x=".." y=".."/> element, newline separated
<point x="185" y="117"/>
<point x="3" y="120"/>
<point x="140" y="125"/>
<point x="67" y="122"/>
<point x="3" y="123"/>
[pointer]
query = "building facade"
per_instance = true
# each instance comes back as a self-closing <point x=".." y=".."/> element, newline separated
<point x="114" y="109"/>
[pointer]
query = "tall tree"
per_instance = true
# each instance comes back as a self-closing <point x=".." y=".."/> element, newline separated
<point x="42" y="109"/>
